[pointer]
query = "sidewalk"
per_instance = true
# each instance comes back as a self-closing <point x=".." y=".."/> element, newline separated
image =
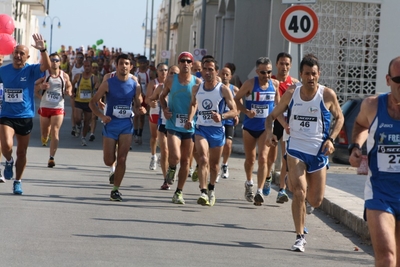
<point x="344" y="192"/>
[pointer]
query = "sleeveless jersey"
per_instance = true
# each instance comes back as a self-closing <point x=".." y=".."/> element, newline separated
<point x="156" y="110"/>
<point x="229" y="121"/>
<point x="383" y="145"/>
<point x="18" y="94"/>
<point x="309" y="122"/>
<point x="75" y="71"/>
<point x="209" y="101"/>
<point x="283" y="86"/>
<point x="119" y="98"/>
<point x="262" y="101"/>
<point x="144" y="79"/>
<point x="64" y="66"/>
<point x="178" y="103"/>
<point x="54" y="96"/>
<point x="85" y="89"/>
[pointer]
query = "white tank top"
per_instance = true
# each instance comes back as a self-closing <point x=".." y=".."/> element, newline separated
<point x="209" y="101"/>
<point x="54" y="96"/>
<point x="75" y="71"/>
<point x="156" y="110"/>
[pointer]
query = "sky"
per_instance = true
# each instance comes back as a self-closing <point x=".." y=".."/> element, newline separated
<point x="118" y="23"/>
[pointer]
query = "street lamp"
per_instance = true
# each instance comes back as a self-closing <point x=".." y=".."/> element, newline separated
<point x="144" y="27"/>
<point x="51" y="27"/>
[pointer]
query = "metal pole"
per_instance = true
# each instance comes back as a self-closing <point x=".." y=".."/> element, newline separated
<point x="145" y="28"/>
<point x="168" y="27"/>
<point x="151" y="30"/>
<point x="203" y="24"/>
<point x="51" y="36"/>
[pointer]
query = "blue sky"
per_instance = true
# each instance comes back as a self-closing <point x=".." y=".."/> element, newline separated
<point x="83" y="22"/>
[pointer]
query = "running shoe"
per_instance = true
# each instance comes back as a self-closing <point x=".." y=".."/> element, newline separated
<point x="211" y="197"/>
<point x="51" y="163"/>
<point x="190" y="172"/>
<point x="224" y="171"/>
<point x="258" y="199"/>
<point x="17" y="188"/>
<point x="77" y="131"/>
<point x="165" y="186"/>
<point x="248" y="192"/>
<point x="178" y="198"/>
<point x="300" y="244"/>
<point x="83" y="141"/>
<point x="170" y="176"/>
<point x="115" y="196"/>
<point x="267" y="187"/>
<point x="282" y="197"/>
<point x="73" y="131"/>
<point x="305" y="230"/>
<point x="203" y="200"/>
<point x="111" y="177"/>
<point x="2" y="180"/>
<point x="92" y="137"/>
<point x="153" y="163"/>
<point x="8" y="170"/>
<point x="44" y="141"/>
<point x="309" y="208"/>
<point x="195" y="175"/>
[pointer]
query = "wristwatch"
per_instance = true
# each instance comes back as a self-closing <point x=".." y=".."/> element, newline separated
<point x="222" y="116"/>
<point x="43" y="50"/>
<point x="331" y="139"/>
<point x="353" y="145"/>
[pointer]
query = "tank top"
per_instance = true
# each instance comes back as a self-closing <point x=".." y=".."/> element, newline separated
<point x="156" y="110"/>
<point x="144" y="79"/>
<point x="85" y="89"/>
<point x="209" y="101"/>
<point x="178" y="103"/>
<point x="383" y="145"/>
<point x="75" y="71"/>
<point x="54" y="96"/>
<point x="262" y="101"/>
<point x="64" y="66"/>
<point x="229" y="121"/>
<point x="283" y="86"/>
<point x="309" y="122"/>
<point x="119" y="98"/>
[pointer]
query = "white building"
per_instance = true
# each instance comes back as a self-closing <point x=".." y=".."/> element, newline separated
<point x="25" y="13"/>
<point x="355" y="40"/>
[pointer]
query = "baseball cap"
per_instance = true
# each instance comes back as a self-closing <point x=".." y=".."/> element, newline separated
<point x="185" y="54"/>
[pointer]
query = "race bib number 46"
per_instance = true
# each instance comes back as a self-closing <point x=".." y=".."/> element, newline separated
<point x="306" y="124"/>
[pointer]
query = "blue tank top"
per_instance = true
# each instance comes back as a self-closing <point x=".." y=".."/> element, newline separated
<point x="119" y="98"/>
<point x="18" y="98"/>
<point x="262" y="101"/>
<point x="178" y="103"/>
<point x="383" y="145"/>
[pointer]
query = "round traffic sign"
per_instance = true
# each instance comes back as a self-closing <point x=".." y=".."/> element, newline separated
<point x="298" y="24"/>
<point x="164" y="54"/>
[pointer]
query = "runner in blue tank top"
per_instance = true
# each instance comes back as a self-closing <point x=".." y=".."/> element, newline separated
<point x="18" y="107"/>
<point x="378" y="123"/>
<point x="178" y="89"/>
<point x="309" y="144"/>
<point x="121" y="91"/>
<point x="261" y="95"/>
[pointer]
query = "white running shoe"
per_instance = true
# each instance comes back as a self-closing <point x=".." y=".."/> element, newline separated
<point x="153" y="163"/>
<point x="299" y="245"/>
<point x="224" y="171"/>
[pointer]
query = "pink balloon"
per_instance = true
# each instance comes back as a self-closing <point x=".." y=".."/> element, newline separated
<point x="8" y="44"/>
<point x="6" y="24"/>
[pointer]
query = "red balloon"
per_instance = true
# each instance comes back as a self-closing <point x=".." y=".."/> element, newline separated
<point x="7" y="44"/>
<point x="6" y="24"/>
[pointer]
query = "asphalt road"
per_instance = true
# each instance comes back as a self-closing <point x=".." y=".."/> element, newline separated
<point x="65" y="218"/>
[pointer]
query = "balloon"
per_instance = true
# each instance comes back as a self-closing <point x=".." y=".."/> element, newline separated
<point x="94" y="47"/>
<point x="8" y="44"/>
<point x="99" y="42"/>
<point x="6" y="24"/>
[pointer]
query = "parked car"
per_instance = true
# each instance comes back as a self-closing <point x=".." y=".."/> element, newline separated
<point x="350" y="111"/>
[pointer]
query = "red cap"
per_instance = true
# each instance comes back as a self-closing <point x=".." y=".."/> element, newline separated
<point x="185" y="54"/>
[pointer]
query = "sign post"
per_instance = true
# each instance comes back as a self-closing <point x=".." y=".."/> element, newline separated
<point x="299" y="24"/>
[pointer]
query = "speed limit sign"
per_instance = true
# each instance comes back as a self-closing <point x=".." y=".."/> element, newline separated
<point x="298" y="24"/>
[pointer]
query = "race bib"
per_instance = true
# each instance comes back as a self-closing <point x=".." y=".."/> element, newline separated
<point x="260" y="110"/>
<point x="389" y="158"/>
<point x="85" y="94"/>
<point x="53" y="96"/>
<point x="206" y="116"/>
<point x="306" y="124"/>
<point x="14" y="95"/>
<point x="180" y="120"/>
<point x="122" y="111"/>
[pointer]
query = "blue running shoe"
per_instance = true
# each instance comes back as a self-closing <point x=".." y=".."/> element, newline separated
<point x="17" y="188"/>
<point x="267" y="187"/>
<point x="8" y="170"/>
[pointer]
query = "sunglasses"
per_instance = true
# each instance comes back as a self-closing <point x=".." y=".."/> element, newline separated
<point x="163" y="70"/>
<point x="395" y="79"/>
<point x="185" y="60"/>
<point x="54" y="60"/>
<point x="263" y="72"/>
